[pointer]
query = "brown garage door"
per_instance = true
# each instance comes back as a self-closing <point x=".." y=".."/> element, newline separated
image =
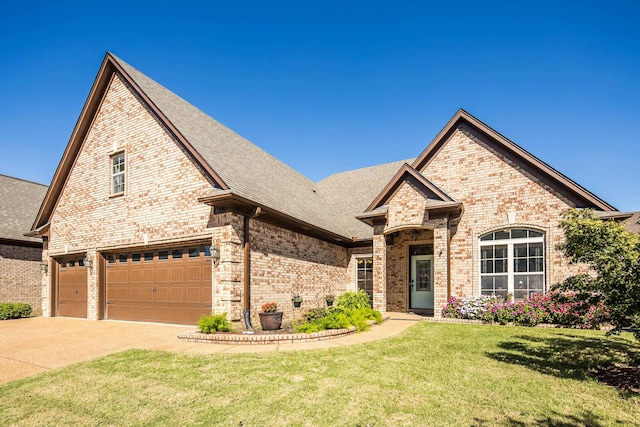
<point x="72" y="288"/>
<point x="165" y="285"/>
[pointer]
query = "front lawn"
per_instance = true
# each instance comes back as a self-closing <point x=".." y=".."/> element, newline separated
<point x="432" y="374"/>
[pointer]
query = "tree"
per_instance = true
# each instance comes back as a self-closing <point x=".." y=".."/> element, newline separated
<point x="613" y="253"/>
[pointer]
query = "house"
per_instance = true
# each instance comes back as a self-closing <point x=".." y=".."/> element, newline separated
<point x="20" y="256"/>
<point x="157" y="212"/>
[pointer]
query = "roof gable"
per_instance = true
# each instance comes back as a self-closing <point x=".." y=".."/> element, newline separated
<point x="408" y="173"/>
<point x="229" y="161"/>
<point x="508" y="147"/>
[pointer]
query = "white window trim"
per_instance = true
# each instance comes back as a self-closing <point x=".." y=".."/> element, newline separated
<point x="510" y="257"/>
<point x="112" y="175"/>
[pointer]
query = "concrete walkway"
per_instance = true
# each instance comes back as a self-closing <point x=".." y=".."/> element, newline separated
<point x="39" y="344"/>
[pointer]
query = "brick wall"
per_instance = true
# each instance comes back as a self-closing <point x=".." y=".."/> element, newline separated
<point x="20" y="276"/>
<point x="162" y="184"/>
<point x="162" y="187"/>
<point x="284" y="263"/>
<point x="490" y="186"/>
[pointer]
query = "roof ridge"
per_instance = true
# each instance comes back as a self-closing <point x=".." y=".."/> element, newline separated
<point x="208" y="116"/>
<point x="401" y="161"/>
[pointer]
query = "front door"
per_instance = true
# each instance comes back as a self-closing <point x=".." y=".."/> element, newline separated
<point x="421" y="282"/>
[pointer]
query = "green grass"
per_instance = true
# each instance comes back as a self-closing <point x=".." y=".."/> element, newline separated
<point x="432" y="374"/>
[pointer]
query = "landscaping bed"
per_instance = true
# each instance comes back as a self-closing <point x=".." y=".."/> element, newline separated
<point x="264" y="337"/>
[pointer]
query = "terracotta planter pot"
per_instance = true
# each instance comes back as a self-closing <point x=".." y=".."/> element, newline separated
<point x="270" y="321"/>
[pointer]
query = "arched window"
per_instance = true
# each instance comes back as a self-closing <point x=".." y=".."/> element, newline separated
<point x="512" y="261"/>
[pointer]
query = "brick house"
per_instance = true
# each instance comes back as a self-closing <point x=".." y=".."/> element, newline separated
<point x="20" y="256"/>
<point x="159" y="213"/>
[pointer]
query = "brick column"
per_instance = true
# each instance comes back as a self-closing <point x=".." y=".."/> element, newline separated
<point x="379" y="268"/>
<point x="45" y="281"/>
<point x="92" y="285"/>
<point x="441" y="257"/>
<point x="227" y="274"/>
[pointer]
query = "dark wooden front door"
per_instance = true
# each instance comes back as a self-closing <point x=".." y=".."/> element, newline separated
<point x="164" y="286"/>
<point x="72" y="288"/>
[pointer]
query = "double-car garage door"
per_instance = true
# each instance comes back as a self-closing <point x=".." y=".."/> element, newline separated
<point x="167" y="285"/>
<point x="163" y="285"/>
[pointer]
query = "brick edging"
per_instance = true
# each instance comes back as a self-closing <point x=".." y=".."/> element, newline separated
<point x="232" y="338"/>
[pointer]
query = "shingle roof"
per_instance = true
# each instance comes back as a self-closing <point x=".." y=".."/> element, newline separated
<point x="19" y="204"/>
<point x="246" y="169"/>
<point x="630" y="220"/>
<point x="250" y="172"/>
<point x="349" y="193"/>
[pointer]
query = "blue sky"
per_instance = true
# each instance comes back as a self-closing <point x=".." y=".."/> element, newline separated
<point x="336" y="85"/>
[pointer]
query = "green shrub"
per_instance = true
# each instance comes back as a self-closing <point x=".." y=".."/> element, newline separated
<point x="14" y="310"/>
<point x="320" y="319"/>
<point x="336" y="320"/>
<point x="307" y="328"/>
<point x="215" y="323"/>
<point x="316" y="313"/>
<point x="372" y="314"/>
<point x="354" y="300"/>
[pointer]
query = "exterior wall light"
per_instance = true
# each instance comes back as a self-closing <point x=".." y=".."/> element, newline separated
<point x="215" y="254"/>
<point x="88" y="263"/>
<point x="44" y="267"/>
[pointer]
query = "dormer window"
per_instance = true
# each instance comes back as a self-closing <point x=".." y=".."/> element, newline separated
<point x="117" y="174"/>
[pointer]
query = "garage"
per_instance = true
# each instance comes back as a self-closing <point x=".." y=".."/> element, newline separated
<point x="72" y="288"/>
<point x="164" y="285"/>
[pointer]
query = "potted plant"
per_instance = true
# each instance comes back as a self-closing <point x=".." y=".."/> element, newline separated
<point x="297" y="300"/>
<point x="270" y="317"/>
<point x="329" y="299"/>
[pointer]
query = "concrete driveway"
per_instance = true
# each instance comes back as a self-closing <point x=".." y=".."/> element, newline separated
<point x="39" y="344"/>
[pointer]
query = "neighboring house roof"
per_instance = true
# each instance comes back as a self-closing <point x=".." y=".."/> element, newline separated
<point x="630" y="220"/>
<point x="243" y="175"/>
<point x="19" y="204"/>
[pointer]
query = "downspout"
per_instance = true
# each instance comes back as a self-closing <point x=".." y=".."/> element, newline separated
<point x="246" y="279"/>
<point x="448" y="258"/>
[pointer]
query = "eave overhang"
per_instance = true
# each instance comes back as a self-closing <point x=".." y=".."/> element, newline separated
<point x="380" y="215"/>
<point x="25" y="243"/>
<point x="227" y="200"/>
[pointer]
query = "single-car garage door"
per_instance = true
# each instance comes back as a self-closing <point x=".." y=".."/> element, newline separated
<point x="164" y="285"/>
<point x="72" y="288"/>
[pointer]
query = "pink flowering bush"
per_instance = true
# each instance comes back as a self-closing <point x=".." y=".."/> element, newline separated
<point x="473" y="308"/>
<point x="571" y="309"/>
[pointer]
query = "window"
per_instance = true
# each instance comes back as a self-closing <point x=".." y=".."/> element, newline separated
<point x="135" y="257"/>
<point x="117" y="174"/>
<point x="148" y="256"/>
<point x="364" y="275"/>
<point x="512" y="261"/>
<point x="163" y="255"/>
<point x="176" y="254"/>
<point x="194" y="252"/>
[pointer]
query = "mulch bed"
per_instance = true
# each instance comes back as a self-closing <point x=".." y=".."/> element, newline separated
<point x="624" y="378"/>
